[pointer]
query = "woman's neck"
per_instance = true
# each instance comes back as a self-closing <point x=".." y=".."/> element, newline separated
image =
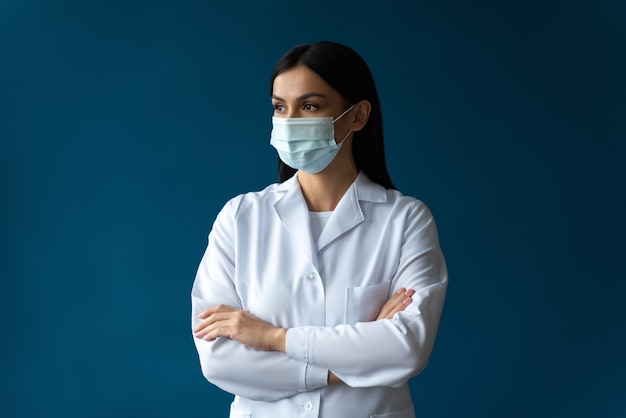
<point x="323" y="191"/>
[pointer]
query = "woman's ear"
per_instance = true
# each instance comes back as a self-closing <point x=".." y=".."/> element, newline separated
<point x="361" y="115"/>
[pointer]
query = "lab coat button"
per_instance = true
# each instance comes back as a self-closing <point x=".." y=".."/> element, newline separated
<point x="308" y="406"/>
<point x="312" y="276"/>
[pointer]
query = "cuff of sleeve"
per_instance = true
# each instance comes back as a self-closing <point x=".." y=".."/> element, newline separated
<point x="296" y="343"/>
<point x="315" y="377"/>
<point x="297" y="347"/>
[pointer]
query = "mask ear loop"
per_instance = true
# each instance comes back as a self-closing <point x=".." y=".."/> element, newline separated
<point x="344" y="138"/>
<point x="339" y="117"/>
<point x="342" y="115"/>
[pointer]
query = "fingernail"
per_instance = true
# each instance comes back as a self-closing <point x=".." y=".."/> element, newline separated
<point x="407" y="301"/>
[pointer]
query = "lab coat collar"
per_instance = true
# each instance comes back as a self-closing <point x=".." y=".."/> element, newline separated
<point x="294" y="213"/>
<point x="366" y="189"/>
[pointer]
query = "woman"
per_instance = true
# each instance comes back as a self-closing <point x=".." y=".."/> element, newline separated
<point x="320" y="295"/>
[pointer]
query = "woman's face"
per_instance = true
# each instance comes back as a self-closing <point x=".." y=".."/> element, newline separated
<point x="301" y="93"/>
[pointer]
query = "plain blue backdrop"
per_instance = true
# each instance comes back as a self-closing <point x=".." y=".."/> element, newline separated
<point x="126" y="125"/>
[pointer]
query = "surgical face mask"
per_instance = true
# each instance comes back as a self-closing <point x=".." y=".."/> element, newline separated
<point x="306" y="144"/>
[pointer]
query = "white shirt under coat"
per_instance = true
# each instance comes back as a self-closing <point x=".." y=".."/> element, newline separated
<point x="261" y="257"/>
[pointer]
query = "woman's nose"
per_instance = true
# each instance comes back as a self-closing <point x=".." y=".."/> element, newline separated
<point x="292" y="113"/>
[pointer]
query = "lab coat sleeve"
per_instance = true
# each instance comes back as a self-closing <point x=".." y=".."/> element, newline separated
<point x="235" y="368"/>
<point x="390" y="351"/>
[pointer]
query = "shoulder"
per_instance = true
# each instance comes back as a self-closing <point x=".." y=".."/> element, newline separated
<point x="392" y="202"/>
<point x="255" y="200"/>
<point x="406" y="203"/>
<point x="408" y="210"/>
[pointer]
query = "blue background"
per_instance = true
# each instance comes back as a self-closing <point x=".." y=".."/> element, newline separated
<point x="126" y="125"/>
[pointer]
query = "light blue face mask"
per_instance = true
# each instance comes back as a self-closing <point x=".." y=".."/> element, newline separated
<point x="306" y="144"/>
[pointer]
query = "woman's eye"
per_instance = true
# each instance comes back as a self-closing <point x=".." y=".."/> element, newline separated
<point x="309" y="107"/>
<point x="278" y="108"/>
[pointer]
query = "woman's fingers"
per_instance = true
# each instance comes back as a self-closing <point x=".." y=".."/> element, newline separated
<point x="392" y="301"/>
<point x="213" y="322"/>
<point x="209" y="317"/>
<point x="214" y="309"/>
<point x="396" y="303"/>
<point x="241" y="326"/>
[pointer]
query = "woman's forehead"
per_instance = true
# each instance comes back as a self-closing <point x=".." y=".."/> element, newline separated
<point x="298" y="81"/>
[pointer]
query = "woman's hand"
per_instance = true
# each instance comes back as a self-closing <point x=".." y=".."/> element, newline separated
<point x="396" y="303"/>
<point x="241" y="326"/>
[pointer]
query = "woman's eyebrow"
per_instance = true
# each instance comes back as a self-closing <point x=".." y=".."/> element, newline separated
<point x="303" y="97"/>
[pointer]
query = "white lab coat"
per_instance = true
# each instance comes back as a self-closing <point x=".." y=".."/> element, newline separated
<point x="261" y="258"/>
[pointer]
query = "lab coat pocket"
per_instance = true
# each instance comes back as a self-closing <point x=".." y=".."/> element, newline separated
<point x="363" y="303"/>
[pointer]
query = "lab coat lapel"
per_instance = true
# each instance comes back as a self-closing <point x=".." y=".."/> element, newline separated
<point x="346" y="216"/>
<point x="294" y="214"/>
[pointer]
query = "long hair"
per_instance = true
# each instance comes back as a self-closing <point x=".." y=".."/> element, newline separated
<point x="346" y="72"/>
